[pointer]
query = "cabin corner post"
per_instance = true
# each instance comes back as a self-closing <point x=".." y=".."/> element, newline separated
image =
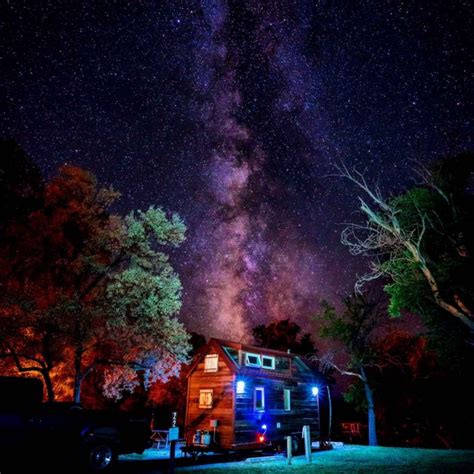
<point x="234" y="395"/>
<point x="185" y="430"/>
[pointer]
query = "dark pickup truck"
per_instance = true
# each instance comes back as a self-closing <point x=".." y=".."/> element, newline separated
<point x="91" y="440"/>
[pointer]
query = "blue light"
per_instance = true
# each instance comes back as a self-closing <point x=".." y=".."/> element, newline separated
<point x="264" y="427"/>
<point x="240" y="386"/>
<point x="315" y="391"/>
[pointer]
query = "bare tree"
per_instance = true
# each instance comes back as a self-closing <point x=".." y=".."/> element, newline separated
<point x="382" y="237"/>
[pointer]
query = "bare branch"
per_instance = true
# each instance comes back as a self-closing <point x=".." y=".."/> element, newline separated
<point x="328" y="362"/>
<point x="382" y="235"/>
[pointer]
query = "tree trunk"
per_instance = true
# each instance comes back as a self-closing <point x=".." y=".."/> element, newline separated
<point x="41" y="369"/>
<point x="77" y="375"/>
<point x="49" y="385"/>
<point x="456" y="312"/>
<point x="370" y="409"/>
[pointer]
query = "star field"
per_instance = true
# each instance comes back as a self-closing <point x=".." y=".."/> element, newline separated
<point x="233" y="113"/>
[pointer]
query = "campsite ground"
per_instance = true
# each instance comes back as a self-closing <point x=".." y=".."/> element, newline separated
<point x="350" y="459"/>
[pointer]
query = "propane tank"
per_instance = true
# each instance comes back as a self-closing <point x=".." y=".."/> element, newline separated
<point x="197" y="437"/>
<point x="206" y="438"/>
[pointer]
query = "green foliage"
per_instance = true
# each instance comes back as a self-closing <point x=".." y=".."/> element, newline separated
<point x="356" y="397"/>
<point x="99" y="283"/>
<point x="415" y="202"/>
<point x="354" y="328"/>
<point x="423" y="240"/>
<point x="446" y="232"/>
<point x="407" y="287"/>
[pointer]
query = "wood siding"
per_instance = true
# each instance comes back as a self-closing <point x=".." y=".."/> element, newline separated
<point x="304" y="410"/>
<point x="222" y="384"/>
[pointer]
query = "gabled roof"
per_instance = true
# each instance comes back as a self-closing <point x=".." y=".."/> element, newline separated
<point x="220" y="345"/>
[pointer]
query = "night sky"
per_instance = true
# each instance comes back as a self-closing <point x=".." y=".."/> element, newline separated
<point x="233" y="114"/>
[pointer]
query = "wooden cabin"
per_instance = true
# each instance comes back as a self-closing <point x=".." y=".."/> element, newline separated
<point x="246" y="396"/>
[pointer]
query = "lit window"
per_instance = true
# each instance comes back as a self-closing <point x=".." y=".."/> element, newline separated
<point x="268" y="362"/>
<point x="259" y="400"/>
<point x="252" y="360"/>
<point x="211" y="362"/>
<point x="205" y="398"/>
<point x="240" y="386"/>
<point x="287" y="399"/>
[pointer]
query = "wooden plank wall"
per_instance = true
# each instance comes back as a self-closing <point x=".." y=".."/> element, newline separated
<point x="304" y="410"/>
<point x="222" y="383"/>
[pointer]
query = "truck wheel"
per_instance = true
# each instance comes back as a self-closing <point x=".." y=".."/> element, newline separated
<point x="100" y="457"/>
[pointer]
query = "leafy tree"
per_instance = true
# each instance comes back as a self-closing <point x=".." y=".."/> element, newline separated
<point x="356" y="329"/>
<point x="422" y="240"/>
<point x="94" y="288"/>
<point x="197" y="340"/>
<point x="283" y="335"/>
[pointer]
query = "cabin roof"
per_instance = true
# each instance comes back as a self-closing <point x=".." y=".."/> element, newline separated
<point x="220" y="346"/>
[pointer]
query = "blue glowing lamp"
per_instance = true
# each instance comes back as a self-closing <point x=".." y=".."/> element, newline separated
<point x="240" y="386"/>
<point x="315" y="391"/>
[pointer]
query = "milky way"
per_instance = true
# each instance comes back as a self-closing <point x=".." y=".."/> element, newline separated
<point x="233" y="113"/>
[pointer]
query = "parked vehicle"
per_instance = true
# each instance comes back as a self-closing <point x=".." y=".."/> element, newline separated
<point x="247" y="397"/>
<point x="58" y="431"/>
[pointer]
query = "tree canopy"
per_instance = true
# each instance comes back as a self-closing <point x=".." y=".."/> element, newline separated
<point x="355" y="332"/>
<point x="284" y="335"/>
<point x="84" y="288"/>
<point x="421" y="240"/>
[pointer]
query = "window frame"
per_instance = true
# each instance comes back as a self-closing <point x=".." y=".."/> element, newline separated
<point x="211" y="357"/>
<point x="251" y="364"/>
<point x="206" y="390"/>
<point x="286" y="398"/>
<point x="272" y="359"/>
<point x="262" y="391"/>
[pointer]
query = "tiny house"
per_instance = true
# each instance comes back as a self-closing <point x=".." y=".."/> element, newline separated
<point x="247" y="397"/>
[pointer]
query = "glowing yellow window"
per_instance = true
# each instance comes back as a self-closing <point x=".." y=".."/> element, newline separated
<point x="205" y="398"/>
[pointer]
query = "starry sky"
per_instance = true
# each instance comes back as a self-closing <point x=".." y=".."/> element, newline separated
<point x="233" y="114"/>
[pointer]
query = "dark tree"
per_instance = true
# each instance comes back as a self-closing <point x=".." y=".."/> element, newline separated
<point x="356" y="329"/>
<point x="196" y="340"/>
<point x="284" y="335"/>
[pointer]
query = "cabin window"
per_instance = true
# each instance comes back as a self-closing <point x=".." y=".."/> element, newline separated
<point x="205" y="398"/>
<point x="252" y="360"/>
<point x="211" y="363"/>
<point x="240" y="389"/>
<point x="287" y="399"/>
<point x="268" y="362"/>
<point x="259" y="400"/>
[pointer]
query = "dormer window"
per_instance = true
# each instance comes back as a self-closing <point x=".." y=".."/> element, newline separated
<point x="268" y="362"/>
<point x="252" y="360"/>
<point x="211" y="363"/>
